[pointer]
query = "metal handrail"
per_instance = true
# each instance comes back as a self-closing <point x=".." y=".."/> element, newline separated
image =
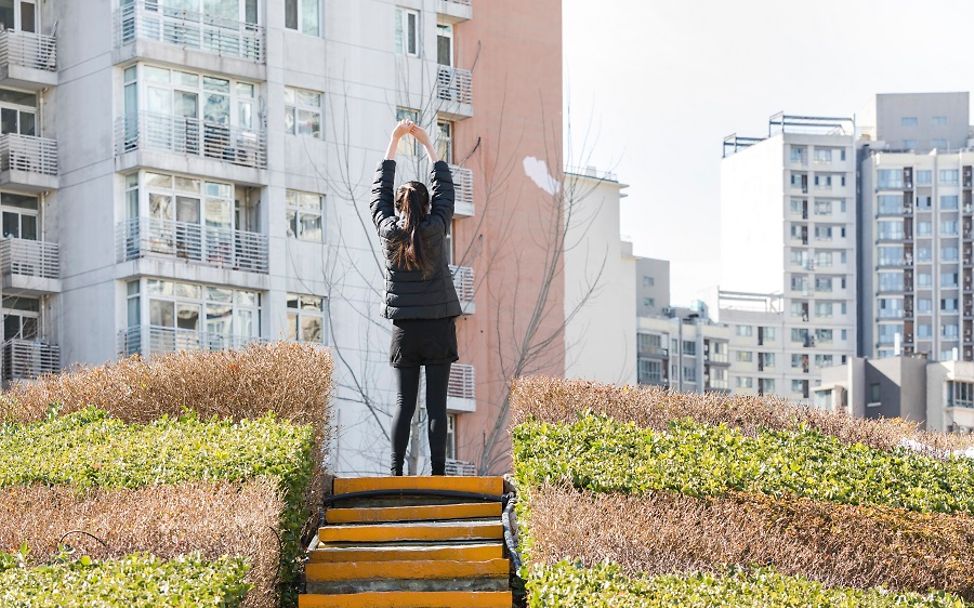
<point x="454" y="85"/>
<point x="220" y="247"/>
<point x="27" y="257"/>
<point x="192" y="136"/>
<point x="148" y="20"/>
<point x="463" y="381"/>
<point x="463" y="281"/>
<point x="28" y="359"/>
<point x="154" y="339"/>
<point x="28" y="153"/>
<point x="28" y="49"/>
<point x="463" y="188"/>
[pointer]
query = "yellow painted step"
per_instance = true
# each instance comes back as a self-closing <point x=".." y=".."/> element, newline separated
<point x="410" y="599"/>
<point x="493" y="486"/>
<point x="475" y="552"/>
<point x="406" y="570"/>
<point x="425" y="512"/>
<point x="430" y="532"/>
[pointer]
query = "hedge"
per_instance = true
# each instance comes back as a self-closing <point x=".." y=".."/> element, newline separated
<point x="599" y="454"/>
<point x="135" y="581"/>
<point x="90" y="449"/>
<point x="564" y="585"/>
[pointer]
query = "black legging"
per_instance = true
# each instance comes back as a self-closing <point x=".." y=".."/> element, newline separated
<point x="437" y="378"/>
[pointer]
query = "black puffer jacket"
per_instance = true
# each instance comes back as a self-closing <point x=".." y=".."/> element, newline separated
<point x="408" y="294"/>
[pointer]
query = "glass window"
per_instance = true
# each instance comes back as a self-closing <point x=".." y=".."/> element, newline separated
<point x="948" y="227"/>
<point x="948" y="202"/>
<point x="303" y="112"/>
<point x="407" y="31"/>
<point x="306" y="318"/>
<point x="408" y="146"/>
<point x="889" y="203"/>
<point x="948" y="279"/>
<point x="949" y="176"/>
<point x="890" y="178"/>
<point x="939" y="144"/>
<point x="924" y="177"/>
<point x="303" y="15"/>
<point x="444" y="143"/>
<point x="305" y="211"/>
<point x="745" y="330"/>
<point x="891" y="281"/>
<point x="938" y="120"/>
<point x="908" y="121"/>
<point x="890" y="229"/>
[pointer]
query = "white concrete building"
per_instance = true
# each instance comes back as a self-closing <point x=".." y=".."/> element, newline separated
<point x="917" y="246"/>
<point x="788" y="228"/>
<point x="600" y="286"/>
<point x="686" y="351"/>
<point x="196" y="174"/>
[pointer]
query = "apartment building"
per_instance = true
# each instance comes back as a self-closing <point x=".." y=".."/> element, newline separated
<point x="936" y="395"/>
<point x="788" y="234"/>
<point x="600" y="299"/>
<point x="917" y="243"/>
<point x="652" y="286"/>
<point x="683" y="350"/>
<point x="195" y="174"/>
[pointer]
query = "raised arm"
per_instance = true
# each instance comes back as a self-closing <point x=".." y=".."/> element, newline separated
<point x="382" y="204"/>
<point x="441" y="178"/>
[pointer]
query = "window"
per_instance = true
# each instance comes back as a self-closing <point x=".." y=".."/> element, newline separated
<point x="192" y="316"/>
<point x="798" y="154"/>
<point x="939" y="144"/>
<point x="948" y="354"/>
<point x="948" y="227"/>
<point x="444" y="149"/>
<point x="949" y="202"/>
<point x="799" y="334"/>
<point x="649" y="343"/>
<point x="874" y="392"/>
<point x="890" y="178"/>
<point x="924" y="280"/>
<point x="949" y="252"/>
<point x="824" y="360"/>
<point x="798" y="386"/>
<point x="889" y="204"/>
<point x="769" y="334"/>
<point x="766" y="359"/>
<point x="948" y="280"/>
<point x="303" y="112"/>
<point x="891" y="255"/>
<point x="948" y="304"/>
<point x="949" y="176"/>
<point x="909" y="144"/>
<point x="823" y="207"/>
<point x="306" y="318"/>
<point x="890" y="281"/>
<point x="908" y="121"/>
<point x="823" y="155"/>
<point x="744" y="382"/>
<point x="745" y="356"/>
<point x="798" y="206"/>
<point x="689" y="373"/>
<point x="890" y="308"/>
<point x="938" y="120"/>
<point x="797" y="361"/>
<point x="689" y="348"/>
<point x="888" y="332"/>
<point x="924" y="202"/>
<point x="304" y="215"/>
<point x="924" y="228"/>
<point x="949" y="330"/>
<point x="823" y="233"/>
<point x="766" y="385"/>
<point x="650" y="371"/>
<point x="444" y="44"/>
<point x="649" y="302"/>
<point x="20" y="15"/>
<point x="890" y="230"/>
<point x="303" y="16"/>
<point x="648" y="281"/>
<point x="924" y="305"/>
<point x="960" y="394"/>
<point x="823" y="284"/>
<point x="924" y="177"/>
<point x="21" y="318"/>
<point x="20" y="216"/>
<point x="408" y="146"/>
<point x="924" y="331"/>
<point x="823" y="309"/>
<point x="451" y="436"/>
<point x="407" y="31"/>
<point x="823" y="335"/>
<point x="745" y="330"/>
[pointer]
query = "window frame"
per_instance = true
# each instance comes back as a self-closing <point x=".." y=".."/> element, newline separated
<point x="293" y="109"/>
<point x="300" y="24"/>
<point x="296" y="212"/>
<point x="402" y="32"/>
<point x="298" y="314"/>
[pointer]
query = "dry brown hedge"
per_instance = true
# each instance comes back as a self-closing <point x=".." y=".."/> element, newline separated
<point x="213" y="518"/>
<point x="839" y="545"/>
<point x="557" y="400"/>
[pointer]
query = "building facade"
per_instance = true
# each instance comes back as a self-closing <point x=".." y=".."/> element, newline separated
<point x="917" y="244"/>
<point x="788" y="265"/>
<point x="187" y="174"/>
<point x="683" y="350"/>
<point x="652" y="287"/>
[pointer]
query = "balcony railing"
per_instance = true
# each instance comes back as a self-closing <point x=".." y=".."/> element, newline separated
<point x="464" y="283"/>
<point x="219" y="247"/>
<point x="29" y="50"/>
<point x="454" y="85"/>
<point x="187" y="29"/>
<point x="463" y="185"/>
<point x="26" y="257"/>
<point x="462" y="383"/>
<point x="28" y="153"/>
<point x="459" y="468"/>
<point x="153" y="340"/>
<point x="28" y="359"/>
<point x="192" y="136"/>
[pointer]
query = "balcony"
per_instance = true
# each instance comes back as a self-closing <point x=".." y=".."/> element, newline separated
<point x="149" y="340"/>
<point x="455" y="11"/>
<point x="145" y="29"/>
<point x="463" y="281"/>
<point x="28" y="359"/>
<point x="191" y="145"/>
<point x="463" y="184"/>
<point x="461" y="392"/>
<point x="218" y="247"/>
<point x="28" y="163"/>
<point x="30" y="267"/>
<point x="454" y="91"/>
<point x="27" y="60"/>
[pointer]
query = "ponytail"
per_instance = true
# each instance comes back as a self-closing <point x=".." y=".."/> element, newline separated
<point x="412" y="200"/>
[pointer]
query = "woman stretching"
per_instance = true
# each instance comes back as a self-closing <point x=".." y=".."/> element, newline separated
<point x="419" y="294"/>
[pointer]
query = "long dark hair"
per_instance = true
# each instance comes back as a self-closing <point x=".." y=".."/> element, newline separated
<point x="412" y="203"/>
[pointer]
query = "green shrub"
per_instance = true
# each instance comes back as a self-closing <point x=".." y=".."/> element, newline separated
<point x="566" y="586"/>
<point x="135" y="581"/>
<point x="88" y="449"/>
<point x="602" y="455"/>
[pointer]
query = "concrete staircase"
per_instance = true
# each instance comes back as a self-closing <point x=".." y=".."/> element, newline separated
<point x="410" y="542"/>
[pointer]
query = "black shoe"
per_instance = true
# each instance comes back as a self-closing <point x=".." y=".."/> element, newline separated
<point x="439" y="469"/>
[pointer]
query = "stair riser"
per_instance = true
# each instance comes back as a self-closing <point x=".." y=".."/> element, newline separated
<point x="364" y="586"/>
<point x="443" y="599"/>
<point x="388" y="535"/>
<point x="418" y="553"/>
<point x="411" y="570"/>
<point x="419" y="513"/>
<point x="493" y="486"/>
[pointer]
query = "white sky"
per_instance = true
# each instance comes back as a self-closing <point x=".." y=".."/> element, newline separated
<point x="658" y="84"/>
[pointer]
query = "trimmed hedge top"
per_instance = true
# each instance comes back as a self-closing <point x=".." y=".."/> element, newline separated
<point x="89" y="448"/>
<point x="135" y="581"/>
<point x="602" y="455"/>
<point x="566" y="586"/>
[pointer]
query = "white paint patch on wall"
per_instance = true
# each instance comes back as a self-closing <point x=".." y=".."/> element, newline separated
<point x="537" y="170"/>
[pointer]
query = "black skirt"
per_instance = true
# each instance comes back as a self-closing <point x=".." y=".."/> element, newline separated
<point x="418" y="342"/>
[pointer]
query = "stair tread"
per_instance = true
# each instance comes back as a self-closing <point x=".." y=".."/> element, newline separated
<point x="412" y="531"/>
<point x="476" y="485"/>
<point x="407" y="570"/>
<point x="392" y="551"/>
<point x="458" y="511"/>
<point x="468" y="523"/>
<point x="409" y="599"/>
